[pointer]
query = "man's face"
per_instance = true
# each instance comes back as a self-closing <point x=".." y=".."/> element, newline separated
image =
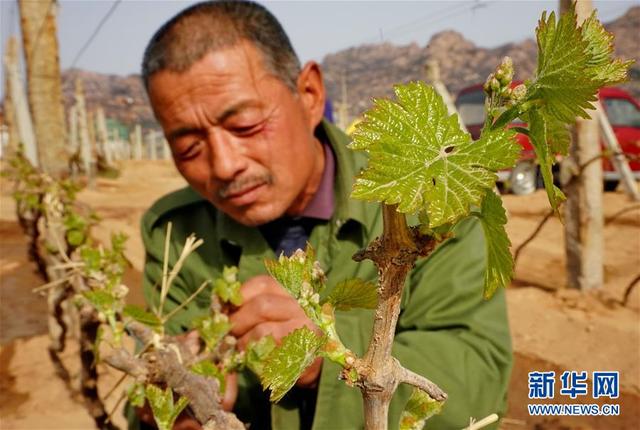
<point x="239" y="136"/>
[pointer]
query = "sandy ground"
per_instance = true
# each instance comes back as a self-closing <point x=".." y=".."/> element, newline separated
<point x="552" y="328"/>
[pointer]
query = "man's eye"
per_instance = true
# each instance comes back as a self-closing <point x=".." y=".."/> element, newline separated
<point x="247" y="130"/>
<point x="191" y="151"/>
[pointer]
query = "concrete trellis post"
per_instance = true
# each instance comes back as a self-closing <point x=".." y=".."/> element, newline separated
<point x="152" y="142"/>
<point x="13" y="139"/>
<point x="86" y="155"/>
<point x="136" y="142"/>
<point x="103" y="142"/>
<point x="584" y="222"/>
<point x="343" y="106"/>
<point x="44" y="84"/>
<point x="16" y="97"/>
<point x="166" y="150"/>
<point x="73" y="129"/>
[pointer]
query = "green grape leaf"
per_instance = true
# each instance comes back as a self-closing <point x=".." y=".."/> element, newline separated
<point x="573" y="63"/>
<point x="228" y="287"/>
<point x="499" y="268"/>
<point x="74" y="221"/>
<point x="135" y="394"/>
<point x="538" y="136"/>
<point x="75" y="237"/>
<point x="164" y="410"/>
<point x="558" y="135"/>
<point x="258" y="352"/>
<point x="118" y="241"/>
<point x="420" y="159"/>
<point x="601" y="65"/>
<point x="353" y="293"/>
<point x="286" y="362"/>
<point x="101" y="300"/>
<point x="562" y="61"/>
<point x="91" y="258"/>
<point x="292" y="272"/>
<point x="212" y="329"/>
<point x="142" y="316"/>
<point x="418" y="410"/>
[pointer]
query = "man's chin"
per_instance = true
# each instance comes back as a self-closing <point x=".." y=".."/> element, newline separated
<point x="253" y="216"/>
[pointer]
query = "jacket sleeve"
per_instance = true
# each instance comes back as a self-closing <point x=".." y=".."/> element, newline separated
<point x="446" y="332"/>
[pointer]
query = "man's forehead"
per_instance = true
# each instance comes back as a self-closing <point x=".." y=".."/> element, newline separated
<point x="241" y="58"/>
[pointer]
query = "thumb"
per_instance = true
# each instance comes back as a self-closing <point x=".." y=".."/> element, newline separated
<point x="231" y="391"/>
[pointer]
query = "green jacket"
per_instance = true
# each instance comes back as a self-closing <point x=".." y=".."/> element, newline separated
<point x="446" y="331"/>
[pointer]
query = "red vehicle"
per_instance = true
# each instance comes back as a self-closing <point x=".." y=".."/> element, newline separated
<point x="620" y="107"/>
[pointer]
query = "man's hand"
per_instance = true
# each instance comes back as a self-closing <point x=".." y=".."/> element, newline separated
<point x="268" y="309"/>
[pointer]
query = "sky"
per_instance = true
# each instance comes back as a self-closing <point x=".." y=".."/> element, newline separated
<point x="316" y="28"/>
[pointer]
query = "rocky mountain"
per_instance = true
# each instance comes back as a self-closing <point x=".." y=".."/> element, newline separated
<point x="369" y="70"/>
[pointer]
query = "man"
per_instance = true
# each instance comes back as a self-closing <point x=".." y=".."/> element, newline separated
<point x="266" y="174"/>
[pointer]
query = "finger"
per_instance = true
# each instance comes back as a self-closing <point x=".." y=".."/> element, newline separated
<point x="230" y="392"/>
<point x="192" y="341"/>
<point x="309" y="378"/>
<point x="267" y="307"/>
<point x="145" y="414"/>
<point x="186" y="422"/>
<point x="261" y="284"/>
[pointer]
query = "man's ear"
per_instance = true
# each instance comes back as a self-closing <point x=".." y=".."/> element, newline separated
<point x="311" y="90"/>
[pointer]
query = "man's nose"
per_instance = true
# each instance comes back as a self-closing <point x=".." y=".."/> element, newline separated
<point x="227" y="159"/>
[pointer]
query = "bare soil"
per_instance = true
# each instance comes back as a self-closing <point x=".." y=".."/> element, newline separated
<point x="553" y="328"/>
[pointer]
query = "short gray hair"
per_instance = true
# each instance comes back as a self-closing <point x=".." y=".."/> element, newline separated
<point x="209" y="26"/>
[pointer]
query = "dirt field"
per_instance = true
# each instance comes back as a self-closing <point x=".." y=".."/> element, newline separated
<point x="552" y="328"/>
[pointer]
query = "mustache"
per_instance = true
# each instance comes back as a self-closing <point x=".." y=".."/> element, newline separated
<point x="240" y="184"/>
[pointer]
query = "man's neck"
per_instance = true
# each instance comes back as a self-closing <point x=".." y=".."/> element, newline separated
<point x="313" y="184"/>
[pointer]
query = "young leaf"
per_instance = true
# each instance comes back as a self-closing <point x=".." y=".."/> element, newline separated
<point x="75" y="237"/>
<point x="135" y="394"/>
<point x="162" y="406"/>
<point x="562" y="61"/>
<point x="91" y="258"/>
<point x="353" y="293"/>
<point x="420" y="159"/>
<point x="558" y="136"/>
<point x="499" y="260"/>
<point x="147" y="318"/>
<point x="258" y="352"/>
<point x="212" y="329"/>
<point x="228" y="287"/>
<point x="292" y="272"/>
<point x="286" y="362"/>
<point x="419" y="409"/>
<point x="538" y="135"/>
<point x="101" y="300"/>
<point x="573" y="63"/>
<point x="599" y="41"/>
